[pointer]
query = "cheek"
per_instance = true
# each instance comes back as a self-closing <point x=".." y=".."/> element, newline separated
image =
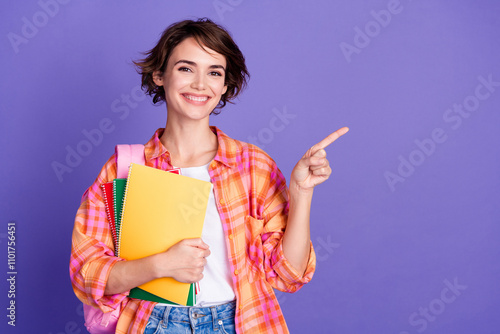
<point x="219" y="88"/>
<point x="176" y="79"/>
<point x="172" y="87"/>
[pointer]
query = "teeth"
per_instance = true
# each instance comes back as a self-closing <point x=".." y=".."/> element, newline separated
<point x="194" y="98"/>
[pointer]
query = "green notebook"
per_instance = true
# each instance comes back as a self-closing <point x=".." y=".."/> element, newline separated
<point x="139" y="293"/>
<point x="119" y="186"/>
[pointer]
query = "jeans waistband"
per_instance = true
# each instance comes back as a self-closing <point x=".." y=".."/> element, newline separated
<point x="195" y="315"/>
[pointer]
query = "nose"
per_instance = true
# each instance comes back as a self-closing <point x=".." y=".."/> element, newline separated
<point x="198" y="82"/>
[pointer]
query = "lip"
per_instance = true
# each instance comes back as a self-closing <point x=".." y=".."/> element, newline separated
<point x="196" y="96"/>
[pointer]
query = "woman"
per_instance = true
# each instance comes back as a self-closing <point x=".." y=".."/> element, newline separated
<point x="256" y="231"/>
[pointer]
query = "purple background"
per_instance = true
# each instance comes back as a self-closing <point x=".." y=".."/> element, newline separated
<point x="385" y="248"/>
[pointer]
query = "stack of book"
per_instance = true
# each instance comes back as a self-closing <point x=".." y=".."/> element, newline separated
<point x="150" y="211"/>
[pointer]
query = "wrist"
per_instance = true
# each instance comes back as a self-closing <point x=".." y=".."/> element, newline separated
<point x="155" y="267"/>
<point x="299" y="193"/>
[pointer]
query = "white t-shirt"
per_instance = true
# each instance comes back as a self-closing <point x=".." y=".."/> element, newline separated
<point x="216" y="286"/>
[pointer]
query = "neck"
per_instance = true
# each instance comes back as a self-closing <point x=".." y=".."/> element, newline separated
<point x="190" y="144"/>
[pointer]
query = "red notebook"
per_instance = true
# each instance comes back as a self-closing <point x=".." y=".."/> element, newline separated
<point x="107" y="189"/>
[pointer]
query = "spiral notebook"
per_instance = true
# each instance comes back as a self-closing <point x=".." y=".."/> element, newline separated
<point x="118" y="194"/>
<point x="159" y="210"/>
<point x="107" y="190"/>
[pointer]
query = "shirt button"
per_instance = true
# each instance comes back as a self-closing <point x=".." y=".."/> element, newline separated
<point x="222" y="202"/>
<point x="240" y="307"/>
<point x="231" y="236"/>
<point x="236" y="272"/>
<point x="213" y="164"/>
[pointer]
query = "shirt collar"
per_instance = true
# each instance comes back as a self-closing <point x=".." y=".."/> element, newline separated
<point x="226" y="150"/>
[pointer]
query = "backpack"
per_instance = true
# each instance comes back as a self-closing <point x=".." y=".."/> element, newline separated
<point x="96" y="321"/>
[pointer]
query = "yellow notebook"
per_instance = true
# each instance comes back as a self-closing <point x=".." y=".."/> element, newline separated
<point x="159" y="210"/>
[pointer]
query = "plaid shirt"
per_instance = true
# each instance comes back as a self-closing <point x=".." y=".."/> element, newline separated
<point x="252" y="200"/>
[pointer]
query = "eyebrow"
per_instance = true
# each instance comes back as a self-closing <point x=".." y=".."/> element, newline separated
<point x="192" y="63"/>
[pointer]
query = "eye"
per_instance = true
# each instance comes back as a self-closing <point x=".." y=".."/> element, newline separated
<point x="184" y="69"/>
<point x="215" y="73"/>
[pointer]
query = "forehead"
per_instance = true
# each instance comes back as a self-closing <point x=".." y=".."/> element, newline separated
<point x="189" y="49"/>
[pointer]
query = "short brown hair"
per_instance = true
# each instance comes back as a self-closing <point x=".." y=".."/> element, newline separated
<point x="207" y="34"/>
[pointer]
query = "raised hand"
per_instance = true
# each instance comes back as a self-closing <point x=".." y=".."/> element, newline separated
<point x="313" y="168"/>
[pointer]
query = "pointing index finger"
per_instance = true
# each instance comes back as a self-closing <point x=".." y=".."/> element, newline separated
<point x="330" y="138"/>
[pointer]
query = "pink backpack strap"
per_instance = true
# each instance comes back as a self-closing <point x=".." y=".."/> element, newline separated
<point x="125" y="155"/>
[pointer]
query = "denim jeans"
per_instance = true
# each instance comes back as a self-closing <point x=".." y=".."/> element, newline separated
<point x="200" y="320"/>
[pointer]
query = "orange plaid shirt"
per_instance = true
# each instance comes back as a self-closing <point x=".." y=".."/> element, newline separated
<point x="252" y="200"/>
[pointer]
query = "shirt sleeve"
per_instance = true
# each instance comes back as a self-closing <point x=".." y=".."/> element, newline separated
<point x="92" y="250"/>
<point x="272" y="218"/>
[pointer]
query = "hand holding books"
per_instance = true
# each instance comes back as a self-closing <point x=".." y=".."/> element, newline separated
<point x="184" y="261"/>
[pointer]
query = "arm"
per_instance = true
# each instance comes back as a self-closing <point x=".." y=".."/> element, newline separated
<point x="265" y="227"/>
<point x="296" y="238"/>
<point x="312" y="169"/>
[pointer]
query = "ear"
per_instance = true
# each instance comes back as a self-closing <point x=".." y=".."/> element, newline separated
<point x="224" y="90"/>
<point x="158" y="78"/>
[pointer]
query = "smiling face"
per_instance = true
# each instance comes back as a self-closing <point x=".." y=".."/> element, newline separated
<point x="193" y="81"/>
